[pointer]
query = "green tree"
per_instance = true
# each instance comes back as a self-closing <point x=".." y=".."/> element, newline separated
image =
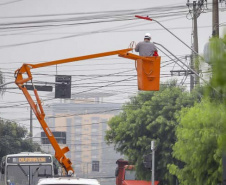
<point x="149" y="116"/>
<point x="198" y="136"/>
<point x="13" y="139"/>
<point x="201" y="134"/>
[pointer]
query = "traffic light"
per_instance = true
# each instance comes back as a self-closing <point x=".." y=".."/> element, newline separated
<point x="63" y="86"/>
<point x="148" y="161"/>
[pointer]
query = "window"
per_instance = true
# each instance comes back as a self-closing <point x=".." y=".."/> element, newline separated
<point x="95" y="166"/>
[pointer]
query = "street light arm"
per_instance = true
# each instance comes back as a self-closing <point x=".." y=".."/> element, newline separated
<point x="149" y="19"/>
<point x="141" y="17"/>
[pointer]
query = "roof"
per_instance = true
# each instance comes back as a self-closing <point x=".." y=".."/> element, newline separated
<point x="68" y="180"/>
<point x="28" y="154"/>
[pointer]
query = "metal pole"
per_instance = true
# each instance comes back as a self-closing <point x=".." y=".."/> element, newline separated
<point x="153" y="163"/>
<point x="184" y="64"/>
<point x="150" y="19"/>
<point x="175" y="36"/>
<point x="215" y="19"/>
<point x="31" y="124"/>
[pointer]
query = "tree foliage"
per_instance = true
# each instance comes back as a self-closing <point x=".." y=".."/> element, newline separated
<point x="201" y="134"/>
<point x="218" y="63"/>
<point x="149" y="116"/>
<point x="13" y="139"/>
<point x="198" y="136"/>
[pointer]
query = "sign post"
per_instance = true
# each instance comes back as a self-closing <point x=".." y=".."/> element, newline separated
<point x="153" y="163"/>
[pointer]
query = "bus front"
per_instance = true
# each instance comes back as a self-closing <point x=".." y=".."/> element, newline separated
<point x="27" y="169"/>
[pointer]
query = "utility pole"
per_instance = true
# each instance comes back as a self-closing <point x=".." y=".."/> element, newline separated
<point x="153" y="163"/>
<point x="215" y="19"/>
<point x="195" y="43"/>
<point x="196" y="9"/>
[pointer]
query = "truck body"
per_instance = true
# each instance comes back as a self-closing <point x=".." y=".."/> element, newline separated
<point x="125" y="174"/>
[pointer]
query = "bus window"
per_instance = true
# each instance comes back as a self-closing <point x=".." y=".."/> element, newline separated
<point x="18" y="175"/>
<point x="38" y="172"/>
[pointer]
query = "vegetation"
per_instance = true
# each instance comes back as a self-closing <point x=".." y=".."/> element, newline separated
<point x="150" y="116"/>
<point x="197" y="146"/>
<point x="201" y="134"/>
<point x="14" y="139"/>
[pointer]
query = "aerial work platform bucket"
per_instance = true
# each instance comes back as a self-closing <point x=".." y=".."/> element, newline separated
<point x="148" y="74"/>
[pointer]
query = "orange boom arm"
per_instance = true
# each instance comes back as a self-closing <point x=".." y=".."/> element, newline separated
<point x="37" y="107"/>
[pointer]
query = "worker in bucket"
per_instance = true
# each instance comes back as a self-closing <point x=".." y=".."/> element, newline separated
<point x="146" y="48"/>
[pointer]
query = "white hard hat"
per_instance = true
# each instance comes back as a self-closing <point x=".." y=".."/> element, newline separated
<point x="147" y="36"/>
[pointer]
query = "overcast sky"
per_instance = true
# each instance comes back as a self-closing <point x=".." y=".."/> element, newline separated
<point x="34" y="31"/>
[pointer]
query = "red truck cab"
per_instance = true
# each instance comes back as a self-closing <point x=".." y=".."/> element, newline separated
<point x="125" y="174"/>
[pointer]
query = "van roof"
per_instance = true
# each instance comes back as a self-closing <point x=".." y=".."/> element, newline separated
<point x="68" y="180"/>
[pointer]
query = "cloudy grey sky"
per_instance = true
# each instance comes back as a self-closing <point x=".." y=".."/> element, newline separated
<point x="33" y="31"/>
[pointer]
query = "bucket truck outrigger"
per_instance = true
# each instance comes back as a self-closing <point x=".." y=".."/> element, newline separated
<point x="148" y="70"/>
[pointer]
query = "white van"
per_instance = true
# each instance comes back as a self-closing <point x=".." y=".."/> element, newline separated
<point x="67" y="180"/>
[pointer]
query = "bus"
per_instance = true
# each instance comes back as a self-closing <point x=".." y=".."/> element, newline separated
<point x="25" y="168"/>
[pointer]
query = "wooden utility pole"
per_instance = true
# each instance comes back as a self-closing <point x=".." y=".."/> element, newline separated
<point x="215" y="19"/>
<point x="196" y="9"/>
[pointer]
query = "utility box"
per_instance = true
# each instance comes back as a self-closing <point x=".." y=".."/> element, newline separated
<point x="148" y="74"/>
<point x="63" y="86"/>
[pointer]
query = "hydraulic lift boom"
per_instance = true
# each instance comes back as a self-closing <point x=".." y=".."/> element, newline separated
<point x="37" y="107"/>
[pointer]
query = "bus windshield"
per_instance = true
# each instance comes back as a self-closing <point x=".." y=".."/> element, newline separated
<point x="27" y="174"/>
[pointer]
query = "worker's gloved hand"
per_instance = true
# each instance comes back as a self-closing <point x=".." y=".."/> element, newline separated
<point x="155" y="54"/>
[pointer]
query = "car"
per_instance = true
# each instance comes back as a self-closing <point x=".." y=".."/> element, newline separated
<point x="67" y="180"/>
